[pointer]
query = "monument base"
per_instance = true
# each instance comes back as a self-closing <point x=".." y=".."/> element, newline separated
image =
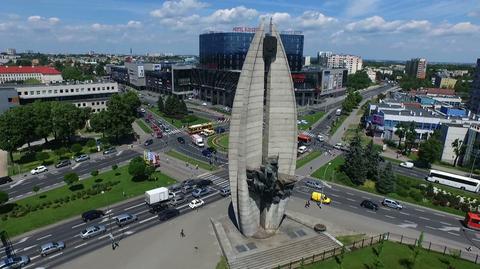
<point x="294" y="240"/>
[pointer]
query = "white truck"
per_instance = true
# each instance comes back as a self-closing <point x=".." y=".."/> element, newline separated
<point x="157" y="199"/>
<point x="198" y="140"/>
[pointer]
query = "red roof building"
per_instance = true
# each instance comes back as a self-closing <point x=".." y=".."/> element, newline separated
<point x="45" y="74"/>
<point x="45" y="70"/>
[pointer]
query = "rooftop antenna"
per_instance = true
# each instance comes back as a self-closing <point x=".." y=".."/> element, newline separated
<point x="271" y="25"/>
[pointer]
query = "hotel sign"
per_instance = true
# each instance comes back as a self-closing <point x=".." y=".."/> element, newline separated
<point x="240" y="29"/>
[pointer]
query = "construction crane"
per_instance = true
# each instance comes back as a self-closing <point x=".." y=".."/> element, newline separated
<point x="9" y="250"/>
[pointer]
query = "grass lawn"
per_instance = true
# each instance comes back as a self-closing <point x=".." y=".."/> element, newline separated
<point x="144" y="126"/>
<point x="219" y="142"/>
<point x="349" y="239"/>
<point x="222" y="264"/>
<point x="308" y="158"/>
<point x="337" y="124"/>
<point x="179" y="123"/>
<point x="185" y="158"/>
<point x="393" y="256"/>
<point x="311" y="119"/>
<point x="52" y="213"/>
<point x="334" y="174"/>
<point x="395" y="161"/>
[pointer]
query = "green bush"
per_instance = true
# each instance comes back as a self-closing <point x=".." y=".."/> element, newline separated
<point x="42" y="156"/>
<point x="76" y="148"/>
<point x="416" y="195"/>
<point x="94" y="173"/>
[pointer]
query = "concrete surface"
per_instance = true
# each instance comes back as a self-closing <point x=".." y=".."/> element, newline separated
<point x="3" y="163"/>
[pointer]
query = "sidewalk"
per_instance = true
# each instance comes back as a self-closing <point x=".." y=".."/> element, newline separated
<point x="3" y="163"/>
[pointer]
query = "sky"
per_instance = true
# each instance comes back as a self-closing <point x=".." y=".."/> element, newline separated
<point x="439" y="30"/>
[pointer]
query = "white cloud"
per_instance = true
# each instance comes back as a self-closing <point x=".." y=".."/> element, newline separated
<point x="462" y="28"/>
<point x="413" y="25"/>
<point x="474" y="13"/>
<point x="176" y="8"/>
<point x="377" y="24"/>
<point x="360" y="7"/>
<point x="314" y="19"/>
<point x="134" y="24"/>
<point x="42" y="20"/>
<point x="232" y="15"/>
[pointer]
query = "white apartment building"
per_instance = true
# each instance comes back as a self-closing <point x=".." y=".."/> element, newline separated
<point x="350" y="62"/>
<point x="45" y="74"/>
<point x="93" y="94"/>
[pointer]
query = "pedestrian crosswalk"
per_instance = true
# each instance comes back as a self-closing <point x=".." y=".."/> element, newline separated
<point x="224" y="120"/>
<point x="220" y="182"/>
<point x="172" y="132"/>
<point x="309" y="134"/>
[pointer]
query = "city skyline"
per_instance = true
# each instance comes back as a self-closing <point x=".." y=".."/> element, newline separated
<point x="441" y="31"/>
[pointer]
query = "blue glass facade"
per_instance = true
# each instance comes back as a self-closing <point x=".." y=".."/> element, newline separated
<point x="227" y="51"/>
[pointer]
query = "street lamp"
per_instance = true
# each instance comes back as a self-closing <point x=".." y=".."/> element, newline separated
<point x="325" y="172"/>
<point x="322" y="193"/>
<point x="473" y="163"/>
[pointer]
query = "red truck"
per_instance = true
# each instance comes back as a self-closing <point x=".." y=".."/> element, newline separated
<point x="472" y="220"/>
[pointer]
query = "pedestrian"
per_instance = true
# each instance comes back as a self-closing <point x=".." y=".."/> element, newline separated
<point x="469" y="248"/>
<point x="182" y="234"/>
<point x="196" y="248"/>
<point x="311" y="168"/>
<point x="306" y="204"/>
<point x="196" y="166"/>
<point x="319" y="205"/>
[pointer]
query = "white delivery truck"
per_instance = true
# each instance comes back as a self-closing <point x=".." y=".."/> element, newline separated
<point x="157" y="199"/>
<point x="198" y="140"/>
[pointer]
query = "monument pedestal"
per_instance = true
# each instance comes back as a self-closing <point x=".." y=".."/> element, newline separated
<point x="296" y="238"/>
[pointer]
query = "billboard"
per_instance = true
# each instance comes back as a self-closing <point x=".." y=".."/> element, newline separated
<point x="140" y="71"/>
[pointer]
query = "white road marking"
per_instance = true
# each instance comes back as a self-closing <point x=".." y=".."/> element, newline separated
<point x="78" y="225"/>
<point x="475" y="239"/>
<point x="120" y="152"/>
<point x="352" y="206"/>
<point x="43" y="237"/>
<point x="384" y="208"/>
<point x="350" y="199"/>
<point x="23" y="239"/>
<point x="34" y="257"/>
<point x="403" y="213"/>
<point x="334" y="195"/>
<point x="129" y="232"/>
<point x="56" y="255"/>
<point x="149" y="219"/>
<point x="423" y="218"/>
<point x="349" y="193"/>
<point x="408" y="225"/>
<point x="390" y="217"/>
<point x="444" y="223"/>
<point x="76" y="165"/>
<point x="30" y="247"/>
<point x="17" y="183"/>
<point x="447" y="229"/>
<point x="81" y="245"/>
<point x="366" y="198"/>
<point x="453" y="234"/>
<point x="128" y="208"/>
<point x="430" y="227"/>
<point x="371" y="211"/>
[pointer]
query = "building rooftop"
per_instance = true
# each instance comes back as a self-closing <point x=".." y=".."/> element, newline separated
<point x="432" y="91"/>
<point x="45" y="70"/>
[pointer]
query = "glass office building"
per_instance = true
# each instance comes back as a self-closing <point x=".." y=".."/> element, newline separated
<point x="227" y="51"/>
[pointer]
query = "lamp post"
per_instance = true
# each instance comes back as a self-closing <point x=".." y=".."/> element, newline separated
<point x="473" y="163"/>
<point x="321" y="191"/>
<point x="325" y="172"/>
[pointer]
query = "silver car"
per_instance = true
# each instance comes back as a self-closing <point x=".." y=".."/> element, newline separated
<point x="16" y="262"/>
<point x="125" y="218"/>
<point x="314" y="184"/>
<point x="82" y="158"/>
<point x="51" y="247"/>
<point x="177" y="200"/>
<point x="93" y="231"/>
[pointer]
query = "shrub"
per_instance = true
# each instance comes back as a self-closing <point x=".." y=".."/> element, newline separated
<point x="464" y="207"/>
<point x="94" y="173"/>
<point x="76" y="148"/>
<point x="390" y="143"/>
<point x="416" y="195"/>
<point x="114" y="167"/>
<point x="91" y="143"/>
<point x="42" y="156"/>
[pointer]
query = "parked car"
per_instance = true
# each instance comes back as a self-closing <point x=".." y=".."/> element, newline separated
<point x="166" y="129"/>
<point x="189" y="181"/>
<point x="125" y="218"/>
<point x="196" y="203"/>
<point x="148" y="142"/>
<point x="82" y="158"/>
<point x="51" y="247"/>
<point x="315" y="184"/>
<point x="392" y="204"/>
<point x="181" y="140"/>
<point x="199" y="192"/>
<point x="63" y="163"/>
<point x="338" y="146"/>
<point x="204" y="104"/>
<point x="177" y="200"/>
<point x="5" y="179"/>
<point x="369" y="204"/>
<point x="220" y="130"/>
<point x="93" y="231"/>
<point x="92" y="214"/>
<point x="206" y="153"/>
<point x="301" y="149"/>
<point x="203" y="183"/>
<point x="225" y="192"/>
<point x="320" y="138"/>
<point x="186" y="189"/>
<point x="38" y="170"/>
<point x="168" y="214"/>
<point x="109" y="151"/>
<point x="408" y="165"/>
<point x="15" y="262"/>
<point x="212" y="150"/>
<point x="320" y="197"/>
<point x="175" y="187"/>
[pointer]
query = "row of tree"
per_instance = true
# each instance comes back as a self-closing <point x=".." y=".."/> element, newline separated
<point x="407" y="131"/>
<point x="116" y="121"/>
<point x="358" y="81"/>
<point x="410" y="82"/>
<point x="362" y="163"/>
<point x="172" y="106"/>
<point x="351" y="101"/>
<point x="25" y="124"/>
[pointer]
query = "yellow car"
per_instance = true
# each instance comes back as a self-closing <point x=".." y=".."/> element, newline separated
<point x="320" y="197"/>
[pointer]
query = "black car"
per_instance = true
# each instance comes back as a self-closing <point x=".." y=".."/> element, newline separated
<point x="369" y="204"/>
<point x="220" y="130"/>
<point x="207" y="153"/>
<point x="203" y="183"/>
<point x="92" y="214"/>
<point x="63" y="163"/>
<point x="148" y="142"/>
<point x="4" y="180"/>
<point x="168" y="214"/>
<point x="181" y="140"/>
<point x="189" y="182"/>
<point x="212" y="150"/>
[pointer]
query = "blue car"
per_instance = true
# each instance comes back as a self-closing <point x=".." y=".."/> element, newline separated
<point x="199" y="192"/>
<point x="207" y="153"/>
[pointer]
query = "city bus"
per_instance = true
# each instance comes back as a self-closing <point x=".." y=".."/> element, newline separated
<point x="198" y="128"/>
<point x="453" y="180"/>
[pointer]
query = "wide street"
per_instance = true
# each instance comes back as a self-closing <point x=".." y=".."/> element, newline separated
<point x="444" y="227"/>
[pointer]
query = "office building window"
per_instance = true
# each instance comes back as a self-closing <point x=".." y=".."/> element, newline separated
<point x="61" y="91"/>
<point x="25" y="93"/>
<point x="32" y="92"/>
<point x="55" y="91"/>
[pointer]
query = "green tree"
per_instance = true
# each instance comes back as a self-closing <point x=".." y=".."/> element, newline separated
<point x="160" y="104"/>
<point x="137" y="168"/>
<point x="43" y="122"/>
<point x="372" y="160"/>
<point x="76" y="148"/>
<point x="359" y="80"/>
<point x="387" y="180"/>
<point x="100" y="69"/>
<point x="410" y="137"/>
<point x="132" y="101"/>
<point x="35" y="189"/>
<point x="429" y="152"/>
<point x="71" y="178"/>
<point x="42" y="156"/>
<point x="120" y="116"/>
<point x="26" y="116"/>
<point x="91" y="143"/>
<point x="3" y="197"/>
<point x="66" y="120"/>
<point x="169" y="108"/>
<point x="99" y="122"/>
<point x="400" y="132"/>
<point x="459" y="149"/>
<point x="72" y="73"/>
<point x="11" y="136"/>
<point x="354" y="166"/>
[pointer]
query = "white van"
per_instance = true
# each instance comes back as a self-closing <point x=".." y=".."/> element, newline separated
<point x="302" y="149"/>
<point x="408" y="165"/>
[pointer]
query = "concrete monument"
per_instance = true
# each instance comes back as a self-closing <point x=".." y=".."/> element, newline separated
<point x="263" y="137"/>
